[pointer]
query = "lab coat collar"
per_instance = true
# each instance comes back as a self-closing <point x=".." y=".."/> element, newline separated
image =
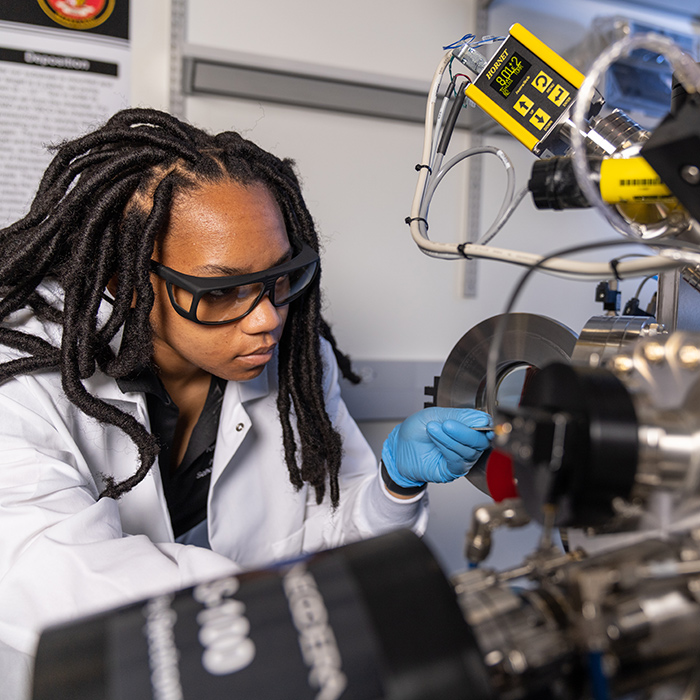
<point x="234" y="422"/>
<point x="254" y="388"/>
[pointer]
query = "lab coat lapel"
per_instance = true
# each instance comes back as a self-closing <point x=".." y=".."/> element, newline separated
<point x="143" y="508"/>
<point x="234" y="422"/>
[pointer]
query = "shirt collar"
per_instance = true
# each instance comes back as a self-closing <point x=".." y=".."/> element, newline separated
<point x="146" y="381"/>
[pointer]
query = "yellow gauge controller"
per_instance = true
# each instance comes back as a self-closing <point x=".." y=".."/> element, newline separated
<point x="526" y="87"/>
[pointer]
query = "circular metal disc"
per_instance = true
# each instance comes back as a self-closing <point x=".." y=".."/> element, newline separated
<point x="529" y="341"/>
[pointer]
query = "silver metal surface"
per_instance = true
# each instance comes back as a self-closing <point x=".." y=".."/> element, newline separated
<point x="603" y="337"/>
<point x="678" y="306"/>
<point x="634" y="605"/>
<point x="529" y="340"/>
<point x="664" y="382"/>
<point x="487" y="518"/>
<point x="615" y="132"/>
<point x="667" y="302"/>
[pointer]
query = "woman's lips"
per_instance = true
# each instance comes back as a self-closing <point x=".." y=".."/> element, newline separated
<point x="259" y="356"/>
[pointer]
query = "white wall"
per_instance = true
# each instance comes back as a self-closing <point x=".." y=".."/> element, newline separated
<point x="391" y="37"/>
<point x="150" y="50"/>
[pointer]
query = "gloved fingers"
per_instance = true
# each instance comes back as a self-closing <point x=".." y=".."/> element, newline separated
<point x="468" y="416"/>
<point x="454" y="451"/>
<point x="464" y="433"/>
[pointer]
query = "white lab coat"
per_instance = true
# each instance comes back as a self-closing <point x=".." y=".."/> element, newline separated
<point x="65" y="553"/>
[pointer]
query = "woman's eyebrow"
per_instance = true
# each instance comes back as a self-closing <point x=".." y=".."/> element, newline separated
<point x="226" y="271"/>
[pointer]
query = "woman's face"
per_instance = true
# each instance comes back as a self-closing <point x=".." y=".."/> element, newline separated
<point x="217" y="230"/>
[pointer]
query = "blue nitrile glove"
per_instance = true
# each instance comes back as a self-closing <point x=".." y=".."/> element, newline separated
<point x="435" y="445"/>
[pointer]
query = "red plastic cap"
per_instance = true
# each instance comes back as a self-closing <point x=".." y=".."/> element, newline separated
<point x="499" y="476"/>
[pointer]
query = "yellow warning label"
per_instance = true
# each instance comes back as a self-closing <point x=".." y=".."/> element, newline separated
<point x="558" y="95"/>
<point x="629" y="180"/>
<point x="542" y="81"/>
<point x="523" y="105"/>
<point x="540" y="119"/>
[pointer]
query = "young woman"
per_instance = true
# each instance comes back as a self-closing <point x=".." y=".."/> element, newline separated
<point x="169" y="380"/>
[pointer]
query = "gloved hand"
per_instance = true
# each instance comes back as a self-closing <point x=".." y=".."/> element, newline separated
<point x="436" y="445"/>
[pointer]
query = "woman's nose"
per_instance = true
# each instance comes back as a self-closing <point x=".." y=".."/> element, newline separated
<point x="264" y="318"/>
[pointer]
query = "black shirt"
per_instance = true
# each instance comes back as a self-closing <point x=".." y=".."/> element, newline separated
<point x="186" y="487"/>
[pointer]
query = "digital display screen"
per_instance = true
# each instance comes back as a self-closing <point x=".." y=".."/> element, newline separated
<point x="509" y="76"/>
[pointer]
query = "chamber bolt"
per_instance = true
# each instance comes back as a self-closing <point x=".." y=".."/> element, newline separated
<point x="654" y="352"/>
<point x="689" y="356"/>
<point x="691" y="174"/>
<point x="518" y="662"/>
<point x="493" y="658"/>
<point x="652" y="329"/>
<point x="525" y="452"/>
<point x="623" y="364"/>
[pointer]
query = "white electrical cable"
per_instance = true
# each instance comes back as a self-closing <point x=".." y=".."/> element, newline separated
<point x="573" y="268"/>
<point x="685" y="69"/>
<point x="437" y="129"/>
<point x="429" y="118"/>
<point x="681" y="257"/>
<point x="563" y="267"/>
<point x="426" y="159"/>
<point x="436" y="178"/>
<point x="690" y="76"/>
<point x="502" y="219"/>
<point x="567" y="268"/>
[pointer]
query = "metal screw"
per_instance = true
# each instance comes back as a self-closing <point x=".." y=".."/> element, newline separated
<point x="654" y="352"/>
<point x="613" y="632"/>
<point x="623" y="364"/>
<point x="653" y="329"/>
<point x="689" y="356"/>
<point x="691" y="174"/>
<point x="518" y="662"/>
<point x="588" y="610"/>
<point x="688" y="554"/>
<point x="493" y="658"/>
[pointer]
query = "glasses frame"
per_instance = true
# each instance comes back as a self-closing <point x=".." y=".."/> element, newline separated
<point x="199" y="286"/>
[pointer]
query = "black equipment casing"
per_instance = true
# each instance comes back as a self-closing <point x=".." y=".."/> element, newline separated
<point x="388" y="625"/>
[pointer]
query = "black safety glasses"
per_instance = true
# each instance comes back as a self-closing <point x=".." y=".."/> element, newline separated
<point x="213" y="301"/>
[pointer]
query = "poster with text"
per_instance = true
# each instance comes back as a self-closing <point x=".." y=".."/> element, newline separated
<point x="64" y="69"/>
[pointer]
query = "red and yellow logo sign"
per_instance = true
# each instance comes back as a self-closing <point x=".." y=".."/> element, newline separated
<point x="78" y="14"/>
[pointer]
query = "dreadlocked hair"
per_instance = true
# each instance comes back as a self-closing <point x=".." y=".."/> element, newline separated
<point x="99" y="209"/>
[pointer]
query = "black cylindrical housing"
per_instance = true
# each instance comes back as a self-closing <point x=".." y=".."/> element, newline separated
<point x="553" y="183"/>
<point x="590" y="459"/>
<point x="372" y="620"/>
